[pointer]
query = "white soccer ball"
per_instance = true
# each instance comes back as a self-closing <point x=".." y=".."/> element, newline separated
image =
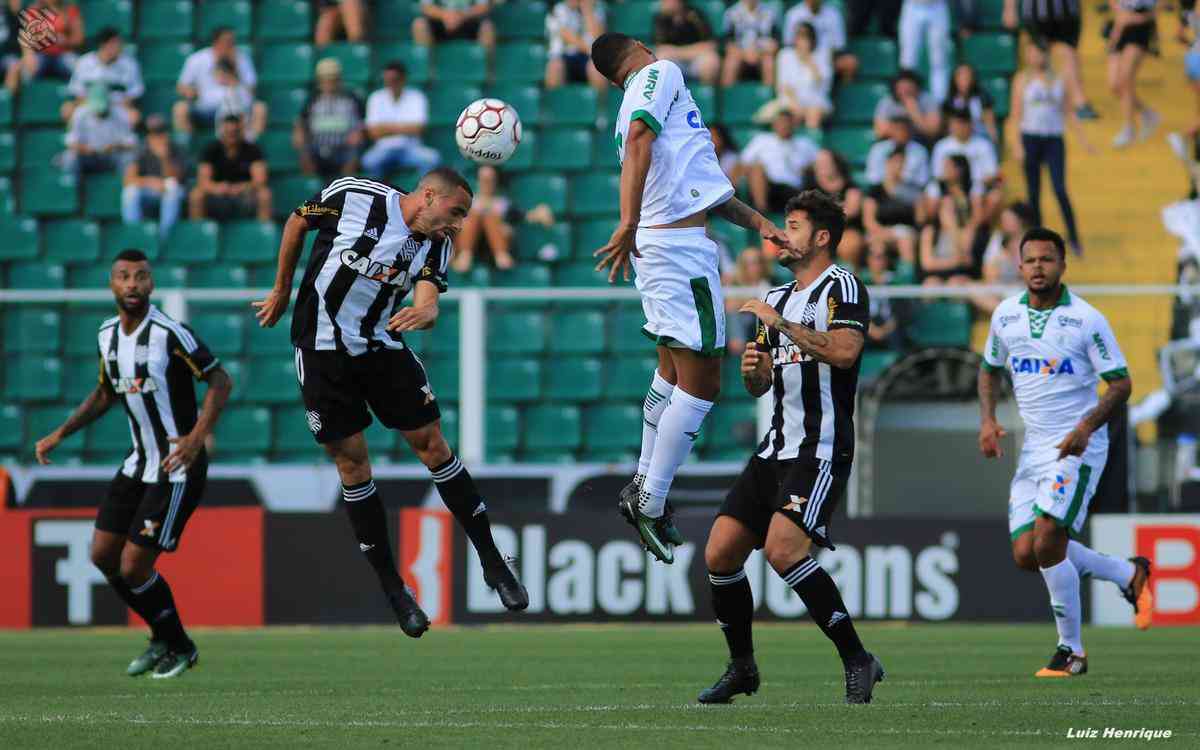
<point x="488" y="131"/>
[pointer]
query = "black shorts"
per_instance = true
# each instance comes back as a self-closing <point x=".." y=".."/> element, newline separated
<point x="1061" y="30"/>
<point x="466" y="30"/>
<point x="1140" y="35"/>
<point x="337" y="389"/>
<point x="807" y="492"/>
<point x="152" y="515"/>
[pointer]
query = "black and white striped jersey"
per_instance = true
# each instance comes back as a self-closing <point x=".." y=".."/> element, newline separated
<point x="814" y="402"/>
<point x="152" y="371"/>
<point x="363" y="264"/>
<point x="1042" y="11"/>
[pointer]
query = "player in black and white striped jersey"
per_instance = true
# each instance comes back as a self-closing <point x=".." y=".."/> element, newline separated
<point x="375" y="244"/>
<point x="148" y="362"/>
<point x="808" y="349"/>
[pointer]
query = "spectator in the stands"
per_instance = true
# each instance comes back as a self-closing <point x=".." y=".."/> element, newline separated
<point x="396" y="118"/>
<point x="328" y="134"/>
<point x="830" y="173"/>
<point x="57" y="60"/>
<point x="153" y="182"/>
<point x="489" y="225"/>
<point x="883" y="331"/>
<point x="205" y="87"/>
<point x="925" y="24"/>
<point x="805" y="78"/>
<point x="231" y="180"/>
<point x="683" y="36"/>
<point x="727" y="151"/>
<point x="859" y="14"/>
<point x="107" y="64"/>
<point x="1056" y="27"/>
<point x="906" y="98"/>
<point x="979" y="152"/>
<point x="100" y="137"/>
<point x="445" y="20"/>
<point x="966" y="93"/>
<point x="571" y="28"/>
<point x="339" y="18"/>
<point x="10" y="45"/>
<point x="892" y="211"/>
<point x="751" y="42"/>
<point x="774" y="162"/>
<point x="1189" y="34"/>
<point x="751" y="270"/>
<point x="1132" y="36"/>
<point x="1002" y="254"/>
<point x="898" y="137"/>
<point x="948" y="239"/>
<point x="826" y="19"/>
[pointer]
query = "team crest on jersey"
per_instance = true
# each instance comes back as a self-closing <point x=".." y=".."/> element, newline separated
<point x="809" y="316"/>
<point x="1006" y="320"/>
<point x="134" y="385"/>
<point x="1036" y="366"/>
<point x="372" y="269"/>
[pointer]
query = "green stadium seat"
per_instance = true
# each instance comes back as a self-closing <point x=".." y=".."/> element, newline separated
<point x="941" y="323"/>
<point x="164" y="19"/>
<point x="12" y="428"/>
<point x="158" y="99"/>
<point x="851" y="143"/>
<point x="40" y="147"/>
<point x="249" y="241"/>
<point x="272" y="342"/>
<point x="355" y="58"/>
<point x="595" y="194"/>
<point x="219" y="276"/>
<point x="223" y="326"/>
<point x="236" y="14"/>
<point x="532" y="274"/>
<point x="713" y="12"/>
<point x="192" y="242"/>
<point x="443" y="340"/>
<point x="990" y="14"/>
<point x="6" y="108"/>
<point x="277" y="147"/>
<point x="591" y="235"/>
<point x="514" y="380"/>
<point x="570" y="106"/>
<point x="516" y="331"/>
<point x="48" y="192"/>
<point x="380" y="440"/>
<point x="117" y="237"/>
<point x="578" y="332"/>
<point x="72" y="241"/>
<point x="93" y="277"/>
<point x="519" y="19"/>
<point x="502" y="426"/>
<point x="478" y="276"/>
<point x="740" y="101"/>
<point x="733" y="428"/>
<point x="990" y="53"/>
<point x="446" y="105"/>
<point x="8" y="206"/>
<point x="40" y="102"/>
<point x="289" y="192"/>
<point x="877" y="56"/>
<point x="444" y="378"/>
<point x="284" y="104"/>
<point x="613" y="427"/>
<point x="706" y="100"/>
<point x="627" y="378"/>
<point x="626" y="336"/>
<point x="855" y="102"/>
<point x="285" y="64"/>
<point x="393" y="18"/>
<point x="102" y="195"/>
<point x="875" y="362"/>
<point x="1001" y="95"/>
<point x="162" y="62"/>
<point x="45" y="419"/>
<point x="269" y="380"/>
<point x="8" y="151"/>
<point x="414" y="56"/>
<point x="100" y="14"/>
<point x="520" y="62"/>
<point x="81" y="321"/>
<point x="280" y="20"/>
<point x="734" y="237"/>
<point x="565" y="149"/>
<point x="633" y="19"/>
<point x="20" y="238"/>
<point x="242" y="430"/>
<point x="580" y="273"/>
<point x="36" y="274"/>
<point x="526" y="99"/>
<point x="532" y="189"/>
<point x="574" y="379"/>
<point x="33" y="379"/>
<point x="546" y="244"/>
<point x="236" y="369"/>
<point x="524" y="157"/>
<point x="290" y="433"/>
<point x="459" y="62"/>
<point x="109" y="433"/>
<point x="169" y="276"/>
<point x="552" y="428"/>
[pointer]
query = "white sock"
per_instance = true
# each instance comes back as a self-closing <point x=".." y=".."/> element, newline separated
<point x="1063" y="582"/>
<point x="653" y="407"/>
<point x="677" y="430"/>
<point x="1099" y="565"/>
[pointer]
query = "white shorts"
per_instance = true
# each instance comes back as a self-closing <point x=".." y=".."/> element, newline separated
<point x="680" y="282"/>
<point x="1062" y="490"/>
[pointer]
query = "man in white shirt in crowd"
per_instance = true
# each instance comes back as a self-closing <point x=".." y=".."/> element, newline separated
<point x="751" y="42"/>
<point x="775" y="162"/>
<point x="827" y="19"/>
<point x="926" y="23"/>
<point x="109" y="65"/>
<point x="898" y="135"/>
<point x="396" y="118"/>
<point x="100" y="137"/>
<point x="571" y="28"/>
<point x="980" y="154"/>
<point x="201" y="90"/>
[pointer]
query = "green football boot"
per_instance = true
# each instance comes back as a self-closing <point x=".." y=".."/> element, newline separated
<point x="148" y="658"/>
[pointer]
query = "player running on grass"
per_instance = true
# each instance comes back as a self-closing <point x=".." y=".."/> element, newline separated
<point x="1057" y="347"/>
<point x="670" y="182"/>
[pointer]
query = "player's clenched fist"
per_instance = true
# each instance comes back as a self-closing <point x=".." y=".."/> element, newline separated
<point x="755" y="362"/>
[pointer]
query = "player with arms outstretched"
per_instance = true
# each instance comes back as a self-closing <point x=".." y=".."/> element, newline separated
<point x="1057" y="348"/>
<point x="670" y="182"/>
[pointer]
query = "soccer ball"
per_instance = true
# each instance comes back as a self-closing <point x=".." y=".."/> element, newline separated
<point x="488" y="131"/>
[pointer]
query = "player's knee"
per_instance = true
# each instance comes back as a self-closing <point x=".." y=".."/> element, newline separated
<point x="720" y="557"/>
<point x="105" y="560"/>
<point x="1025" y="559"/>
<point x="430" y="446"/>
<point x="781" y="556"/>
<point x="136" y="570"/>
<point x="353" y="469"/>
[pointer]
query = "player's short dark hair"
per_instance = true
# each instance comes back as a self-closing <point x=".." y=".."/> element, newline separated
<point x="397" y="67"/>
<point x="131" y="254"/>
<point x="824" y="212"/>
<point x="1042" y="234"/>
<point x="107" y="34"/>
<point x="609" y="50"/>
<point x="448" y="176"/>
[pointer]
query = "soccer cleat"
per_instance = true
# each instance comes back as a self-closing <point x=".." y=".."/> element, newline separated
<point x="647" y="529"/>
<point x="148" y="658"/>
<point x="1085" y="111"/>
<point x="1179" y="147"/>
<point x="503" y="580"/>
<point x="413" y="620"/>
<point x="666" y="527"/>
<point x="740" y="677"/>
<point x="1064" y="663"/>
<point x="861" y="675"/>
<point x="175" y="663"/>
<point x="1124" y="138"/>
<point x="1139" y="595"/>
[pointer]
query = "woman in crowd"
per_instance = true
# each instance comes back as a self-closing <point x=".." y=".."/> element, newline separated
<point x="489" y="224"/>
<point x="830" y="172"/>
<point x="946" y="242"/>
<point x="966" y="93"/>
<point x="1130" y="38"/>
<point x="892" y="211"/>
<point x="804" y="77"/>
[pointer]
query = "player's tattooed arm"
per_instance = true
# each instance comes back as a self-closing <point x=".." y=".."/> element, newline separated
<point x="99" y="401"/>
<point x="1075" y="443"/>
<point x="737" y="212"/>
<point x="839" y="348"/>
<point x="990" y="431"/>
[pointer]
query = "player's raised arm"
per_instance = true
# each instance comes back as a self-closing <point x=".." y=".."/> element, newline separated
<point x="737" y="212"/>
<point x="99" y="401"/>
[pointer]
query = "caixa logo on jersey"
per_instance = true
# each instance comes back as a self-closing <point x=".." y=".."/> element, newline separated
<point x="134" y="385"/>
<point x="373" y="269"/>
<point x="1036" y="366"/>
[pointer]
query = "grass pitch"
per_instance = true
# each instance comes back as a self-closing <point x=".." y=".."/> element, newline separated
<point x="575" y="687"/>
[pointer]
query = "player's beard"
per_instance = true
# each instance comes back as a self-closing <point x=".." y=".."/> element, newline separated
<point x="136" y="307"/>
<point x="789" y="261"/>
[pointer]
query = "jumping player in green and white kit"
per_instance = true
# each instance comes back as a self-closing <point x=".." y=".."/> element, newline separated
<point x="1057" y="347"/>
<point x="670" y="181"/>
